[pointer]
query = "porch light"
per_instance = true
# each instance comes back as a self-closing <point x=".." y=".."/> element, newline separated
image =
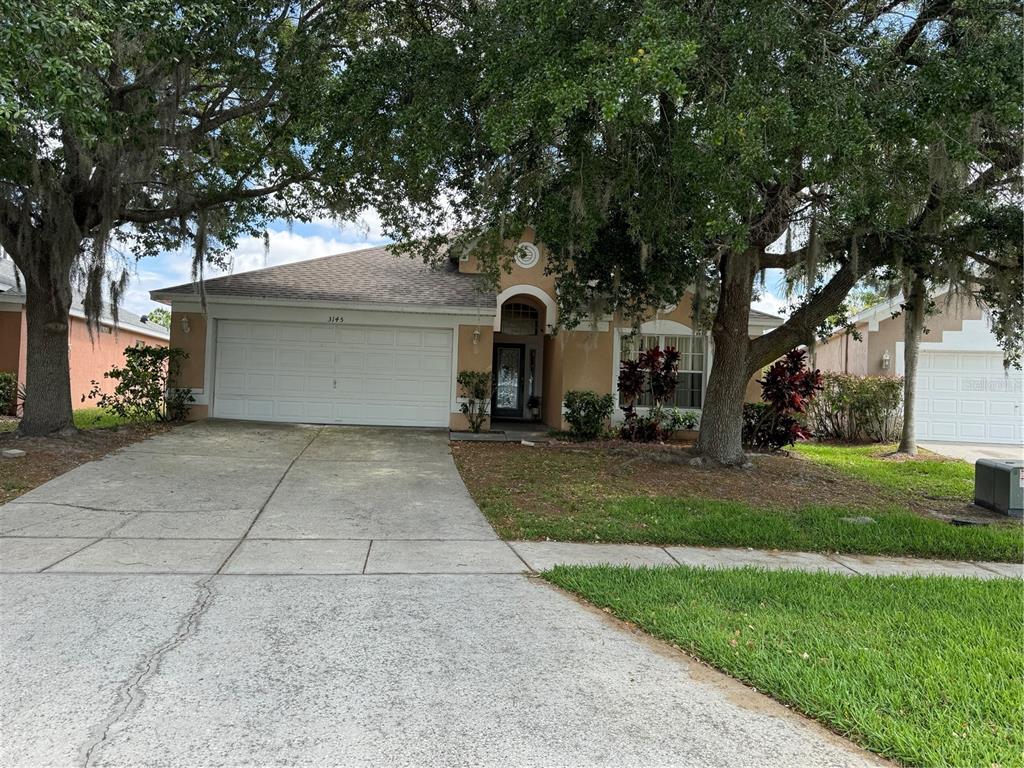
<point x="886" y="359"/>
<point x="476" y="337"/>
<point x="185" y="327"/>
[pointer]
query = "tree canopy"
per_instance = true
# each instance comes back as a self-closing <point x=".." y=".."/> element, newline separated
<point x="132" y="127"/>
<point x="657" y="146"/>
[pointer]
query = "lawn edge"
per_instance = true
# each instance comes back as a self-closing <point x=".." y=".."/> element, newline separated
<point x="716" y="676"/>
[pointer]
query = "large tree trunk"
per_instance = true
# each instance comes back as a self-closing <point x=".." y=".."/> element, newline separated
<point x="913" y="326"/>
<point x="48" y="380"/>
<point x="721" y="427"/>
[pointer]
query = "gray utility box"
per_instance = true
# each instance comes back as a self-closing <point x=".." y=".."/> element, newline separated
<point x="997" y="486"/>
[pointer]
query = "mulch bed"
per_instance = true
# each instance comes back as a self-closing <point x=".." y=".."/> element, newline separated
<point x="537" y="476"/>
<point x="47" y="457"/>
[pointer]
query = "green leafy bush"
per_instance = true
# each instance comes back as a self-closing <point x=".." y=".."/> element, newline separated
<point x="476" y="389"/>
<point x="587" y="413"/>
<point x="856" y="409"/>
<point x="8" y="392"/>
<point x="142" y="391"/>
<point x="679" y="419"/>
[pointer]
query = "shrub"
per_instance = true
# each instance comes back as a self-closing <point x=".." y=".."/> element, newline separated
<point x="683" y="419"/>
<point x="654" y="373"/>
<point x="476" y="389"/>
<point x="8" y="392"/>
<point x="858" y="408"/>
<point x="142" y="391"/>
<point x="787" y="388"/>
<point x="587" y="413"/>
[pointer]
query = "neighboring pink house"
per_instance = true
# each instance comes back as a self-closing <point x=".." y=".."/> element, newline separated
<point x="90" y="357"/>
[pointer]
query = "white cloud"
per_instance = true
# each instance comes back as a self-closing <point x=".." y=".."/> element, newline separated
<point x="772" y="304"/>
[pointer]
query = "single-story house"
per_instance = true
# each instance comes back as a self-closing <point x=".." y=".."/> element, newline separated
<point x="368" y="337"/>
<point x="90" y="355"/>
<point x="963" y="392"/>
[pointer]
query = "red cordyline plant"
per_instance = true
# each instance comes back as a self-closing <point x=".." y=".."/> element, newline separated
<point x="787" y="389"/>
<point x="653" y="371"/>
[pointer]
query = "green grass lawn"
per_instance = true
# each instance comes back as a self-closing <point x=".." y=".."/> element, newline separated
<point x="85" y="418"/>
<point x="706" y="522"/>
<point x="784" y="502"/>
<point x="938" y="477"/>
<point x="926" y="671"/>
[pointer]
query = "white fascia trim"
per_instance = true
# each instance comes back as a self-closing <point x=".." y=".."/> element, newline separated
<point x="429" y="309"/>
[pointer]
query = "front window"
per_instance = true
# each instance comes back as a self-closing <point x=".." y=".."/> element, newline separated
<point x="519" y="319"/>
<point x="690" y="376"/>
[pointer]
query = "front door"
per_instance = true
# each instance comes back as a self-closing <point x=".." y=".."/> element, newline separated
<point x="509" y="368"/>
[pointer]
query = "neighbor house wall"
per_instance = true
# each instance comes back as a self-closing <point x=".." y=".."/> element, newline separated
<point x="92" y="355"/>
<point x="193" y="367"/>
<point x="844" y="354"/>
<point x="11" y="326"/>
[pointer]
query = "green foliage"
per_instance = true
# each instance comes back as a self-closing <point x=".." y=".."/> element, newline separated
<point x="8" y="392"/>
<point x="476" y="388"/>
<point x="679" y="419"/>
<point x="142" y="391"/>
<point x="160" y="316"/>
<point x="587" y="413"/>
<point x="858" y="408"/>
<point x="922" y="670"/>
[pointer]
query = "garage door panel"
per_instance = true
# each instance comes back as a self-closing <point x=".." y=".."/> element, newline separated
<point x="293" y="358"/>
<point x="1002" y="409"/>
<point x="293" y="332"/>
<point x="973" y="408"/>
<point x="232" y="329"/>
<point x="262" y="357"/>
<point x="342" y="374"/>
<point x="323" y="333"/>
<point x="381" y="336"/>
<point x="321" y="359"/>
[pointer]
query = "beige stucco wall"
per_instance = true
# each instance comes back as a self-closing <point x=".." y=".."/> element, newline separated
<point x="844" y="354"/>
<point x="193" y="368"/>
<point x="472" y="357"/>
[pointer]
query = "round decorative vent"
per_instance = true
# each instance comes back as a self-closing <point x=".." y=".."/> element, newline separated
<point x="527" y="255"/>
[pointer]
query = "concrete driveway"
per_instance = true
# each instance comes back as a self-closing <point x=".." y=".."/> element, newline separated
<point x="232" y="594"/>
<point x="971" y="452"/>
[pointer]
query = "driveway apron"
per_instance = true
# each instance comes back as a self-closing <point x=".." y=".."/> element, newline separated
<point x="235" y="594"/>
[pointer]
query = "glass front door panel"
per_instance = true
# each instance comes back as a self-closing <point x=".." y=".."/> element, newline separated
<point x="510" y="366"/>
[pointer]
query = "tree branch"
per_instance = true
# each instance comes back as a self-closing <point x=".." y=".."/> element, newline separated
<point x="150" y="216"/>
<point x="800" y="327"/>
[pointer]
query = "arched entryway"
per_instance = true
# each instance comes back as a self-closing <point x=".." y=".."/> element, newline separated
<point x="520" y="325"/>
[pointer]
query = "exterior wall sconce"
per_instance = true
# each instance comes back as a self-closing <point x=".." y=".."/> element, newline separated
<point x="886" y="359"/>
<point x="185" y="327"/>
<point x="476" y="337"/>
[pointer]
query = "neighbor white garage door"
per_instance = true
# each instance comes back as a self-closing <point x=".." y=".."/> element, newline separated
<point x="333" y="374"/>
<point x="967" y="397"/>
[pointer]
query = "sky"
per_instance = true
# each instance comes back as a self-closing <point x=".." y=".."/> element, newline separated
<point x="321" y="237"/>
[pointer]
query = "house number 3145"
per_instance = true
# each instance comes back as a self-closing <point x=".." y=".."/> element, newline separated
<point x="335" y="319"/>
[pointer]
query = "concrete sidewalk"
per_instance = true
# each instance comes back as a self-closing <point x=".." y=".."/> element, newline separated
<point x="542" y="555"/>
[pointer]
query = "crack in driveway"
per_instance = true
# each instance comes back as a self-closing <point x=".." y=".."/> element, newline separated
<point x="131" y="693"/>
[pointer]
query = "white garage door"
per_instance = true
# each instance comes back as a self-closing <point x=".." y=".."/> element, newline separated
<point x="967" y="397"/>
<point x="333" y="374"/>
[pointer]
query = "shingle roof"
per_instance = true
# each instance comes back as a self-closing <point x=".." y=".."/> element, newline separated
<point x="12" y="284"/>
<point x="372" y="276"/>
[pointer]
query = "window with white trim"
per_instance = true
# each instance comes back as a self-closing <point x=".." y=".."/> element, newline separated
<point x="690" y="375"/>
